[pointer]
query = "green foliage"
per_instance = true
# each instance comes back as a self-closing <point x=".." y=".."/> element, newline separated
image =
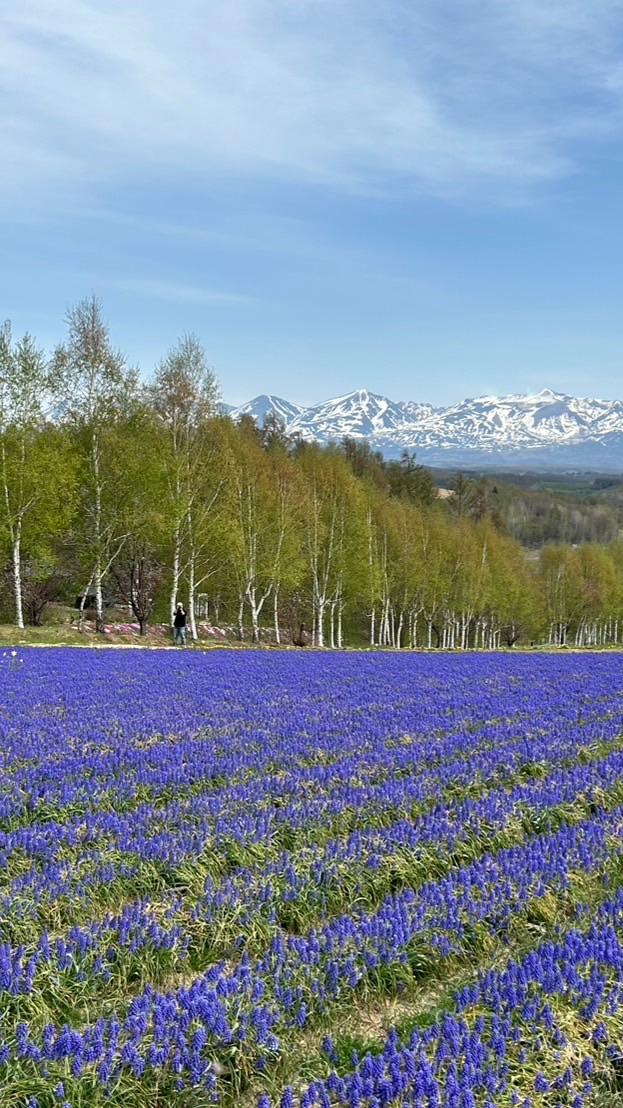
<point x="150" y="495"/>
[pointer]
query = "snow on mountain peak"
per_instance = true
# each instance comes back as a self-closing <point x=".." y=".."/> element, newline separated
<point x="548" y="394"/>
<point x="261" y="405"/>
<point x="514" y="427"/>
<point x="358" y="414"/>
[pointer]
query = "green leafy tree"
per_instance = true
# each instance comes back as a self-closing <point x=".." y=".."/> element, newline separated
<point x="37" y="470"/>
<point x="207" y="521"/>
<point x="334" y="539"/>
<point x="96" y="390"/>
<point x="139" y="475"/>
<point x="561" y="591"/>
<point x="265" y="548"/>
<point x="184" y="395"/>
<point x="410" y="480"/>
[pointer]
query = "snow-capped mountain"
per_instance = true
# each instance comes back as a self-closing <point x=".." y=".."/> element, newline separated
<point x="364" y="414"/>
<point x="260" y="406"/>
<point x="547" y="428"/>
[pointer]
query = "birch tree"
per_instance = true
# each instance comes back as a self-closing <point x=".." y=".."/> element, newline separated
<point x="512" y="589"/>
<point x="288" y="563"/>
<point x="204" y="547"/>
<point x="97" y="389"/>
<point x="263" y="529"/>
<point x="373" y="579"/>
<point x="36" y="472"/>
<point x="184" y="394"/>
<point x="140" y="478"/>
<point x="334" y="538"/>
<point x="562" y="591"/>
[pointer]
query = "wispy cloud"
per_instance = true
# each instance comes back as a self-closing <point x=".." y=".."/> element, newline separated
<point x="180" y="293"/>
<point x="437" y="96"/>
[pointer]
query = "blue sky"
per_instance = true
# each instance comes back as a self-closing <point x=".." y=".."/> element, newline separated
<point x="419" y="197"/>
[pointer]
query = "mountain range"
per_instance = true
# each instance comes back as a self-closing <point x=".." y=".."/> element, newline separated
<point x="548" y="428"/>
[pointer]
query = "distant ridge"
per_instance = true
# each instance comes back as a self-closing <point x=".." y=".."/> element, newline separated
<point x="260" y="407"/>
<point x="547" y="428"/>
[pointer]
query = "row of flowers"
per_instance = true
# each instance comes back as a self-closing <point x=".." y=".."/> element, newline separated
<point x="203" y="822"/>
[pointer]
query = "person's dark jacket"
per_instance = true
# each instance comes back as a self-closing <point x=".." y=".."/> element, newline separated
<point x="180" y="618"/>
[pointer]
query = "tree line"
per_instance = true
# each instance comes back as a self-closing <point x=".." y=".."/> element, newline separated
<point x="145" y="492"/>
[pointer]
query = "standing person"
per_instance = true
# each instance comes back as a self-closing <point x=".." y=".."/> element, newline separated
<point x="179" y="626"/>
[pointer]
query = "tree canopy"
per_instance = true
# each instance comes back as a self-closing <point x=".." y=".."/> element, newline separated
<point x="143" y="491"/>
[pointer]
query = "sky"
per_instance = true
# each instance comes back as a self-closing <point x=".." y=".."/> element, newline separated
<point x="423" y="198"/>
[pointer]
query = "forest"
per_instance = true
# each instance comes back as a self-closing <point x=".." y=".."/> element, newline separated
<point x="116" y="487"/>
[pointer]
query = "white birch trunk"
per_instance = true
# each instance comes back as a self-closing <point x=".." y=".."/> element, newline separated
<point x="321" y="606"/>
<point x="276" y="616"/>
<point x="255" y="630"/>
<point x="175" y="582"/>
<point x="256" y="608"/>
<point x="97" y="575"/>
<point x="192" y="589"/>
<point x="99" y="598"/>
<point x="17" y="576"/>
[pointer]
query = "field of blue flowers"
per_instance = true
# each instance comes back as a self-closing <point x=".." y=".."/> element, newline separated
<point x="299" y="880"/>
